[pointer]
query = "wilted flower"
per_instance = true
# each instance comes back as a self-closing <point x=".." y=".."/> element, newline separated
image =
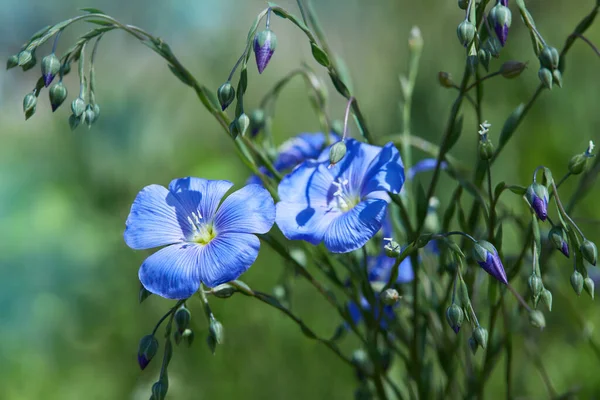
<point x="206" y="242"/>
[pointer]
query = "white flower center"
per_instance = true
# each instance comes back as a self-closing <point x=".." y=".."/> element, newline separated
<point x="202" y="233"/>
<point x="343" y="200"/>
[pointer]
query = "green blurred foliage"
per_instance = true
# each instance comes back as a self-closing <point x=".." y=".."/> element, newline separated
<point x="70" y="322"/>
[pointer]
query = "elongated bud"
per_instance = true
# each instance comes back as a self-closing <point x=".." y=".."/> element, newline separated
<point x="423" y="240"/>
<point x="485" y="149"/>
<point x="549" y="58"/>
<point x="88" y="116"/>
<point x="589" y="251"/>
<point x="481" y="336"/>
<point x="536" y="286"/>
<point x="223" y="291"/>
<point x="188" y="337"/>
<point x="473" y="345"/>
<point x="58" y="94"/>
<point x="577" y="282"/>
<point x="264" y="46"/>
<point x="182" y="319"/>
<point x="501" y="20"/>
<point x="30" y="63"/>
<point x="78" y="107"/>
<point x="557" y="77"/>
<point x="337" y="152"/>
<point x="546" y="77"/>
<point x="537" y="196"/>
<point x="24" y="58"/>
<point x="512" y="69"/>
<point x="547" y="298"/>
<point x="96" y="109"/>
<point x="50" y="67"/>
<point x="147" y="350"/>
<point x="226" y="95"/>
<point x="466" y="32"/>
<point x="389" y="297"/>
<point x="484" y="58"/>
<point x="159" y="390"/>
<point x="487" y="257"/>
<point x="493" y="45"/>
<point x="29" y="105"/>
<point x="12" y="61"/>
<point x="215" y="329"/>
<point x="558" y="238"/>
<point x="577" y="164"/>
<point x="242" y="122"/>
<point x="536" y="318"/>
<point x="257" y="121"/>
<point x="445" y="79"/>
<point x="454" y="316"/>
<point x="74" y="121"/>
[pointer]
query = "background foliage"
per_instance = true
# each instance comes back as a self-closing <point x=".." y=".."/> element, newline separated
<point x="70" y="322"/>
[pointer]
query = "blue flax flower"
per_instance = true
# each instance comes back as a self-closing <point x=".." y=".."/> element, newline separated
<point x="206" y="242"/>
<point x="342" y="206"/>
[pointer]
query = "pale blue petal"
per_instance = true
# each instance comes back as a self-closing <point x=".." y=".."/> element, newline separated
<point x="248" y="210"/>
<point x="427" y="164"/>
<point x="153" y="221"/>
<point x="300" y="221"/>
<point x="300" y="148"/>
<point x="386" y="172"/>
<point x="227" y="257"/>
<point x="351" y="230"/>
<point x="199" y="195"/>
<point x="172" y="272"/>
<point x="311" y="184"/>
<point x="354" y="165"/>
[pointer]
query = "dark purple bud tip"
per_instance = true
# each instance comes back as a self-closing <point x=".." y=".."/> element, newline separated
<point x="456" y="329"/>
<point x="487" y="257"/>
<point x="540" y="206"/>
<point x="504" y="3"/>
<point x="501" y="33"/>
<point x="264" y="47"/>
<point x="48" y="78"/>
<point x="565" y="249"/>
<point x="143" y="361"/>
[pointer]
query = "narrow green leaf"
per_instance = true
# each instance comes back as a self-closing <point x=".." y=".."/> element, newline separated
<point x="99" y="22"/>
<point x="520" y="190"/>
<point x="178" y="74"/>
<point x="422" y="205"/>
<point x="511" y="124"/>
<point x="499" y="188"/>
<point x="455" y="132"/>
<point x="92" y="10"/>
<point x="319" y="54"/>
<point x="339" y="85"/>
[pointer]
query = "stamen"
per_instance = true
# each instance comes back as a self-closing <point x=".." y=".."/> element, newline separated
<point x="590" y="148"/>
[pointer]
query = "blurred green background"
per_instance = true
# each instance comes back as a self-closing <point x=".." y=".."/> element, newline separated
<point x="69" y="317"/>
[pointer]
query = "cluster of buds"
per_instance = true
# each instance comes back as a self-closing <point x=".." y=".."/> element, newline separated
<point x="83" y="113"/>
<point x="549" y="62"/>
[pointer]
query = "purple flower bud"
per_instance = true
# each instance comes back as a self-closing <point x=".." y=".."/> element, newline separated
<point x="147" y="350"/>
<point x="537" y="196"/>
<point x="565" y="249"/>
<point x="264" y="47"/>
<point x="487" y="257"/>
<point x="50" y="67"/>
<point x="501" y="19"/>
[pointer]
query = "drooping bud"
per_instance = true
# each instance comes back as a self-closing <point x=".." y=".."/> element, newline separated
<point x="226" y="95"/>
<point x="423" y="240"/>
<point x="536" y="318"/>
<point x="50" y="67"/>
<point x="577" y="282"/>
<point x="223" y="291"/>
<point x="159" y="390"/>
<point x="264" y="46"/>
<point x="188" y="337"/>
<point x="466" y="32"/>
<point x="454" y="316"/>
<point x="182" y="319"/>
<point x="74" y="121"/>
<point x="337" y="152"/>
<point x="445" y="79"/>
<point x="58" y="94"/>
<point x="537" y="196"/>
<point x="501" y="20"/>
<point x="512" y="69"/>
<point x="147" y="350"/>
<point x="535" y="285"/>
<point x="484" y="58"/>
<point x="487" y="257"/>
<point x="473" y="345"/>
<point x="78" y="107"/>
<point x="12" y="61"/>
<point x="30" y="63"/>
<point x="88" y="116"/>
<point x="481" y="336"/>
<point x="29" y="105"/>
<point x="557" y="77"/>
<point x="589" y="251"/>
<point x="242" y="122"/>
<point x="389" y="297"/>
<point x="96" y="109"/>
<point x="546" y="77"/>
<point x="257" y="121"/>
<point x="558" y="237"/>
<point x="24" y="58"/>
<point x="588" y="285"/>
<point x="549" y="58"/>
<point x="215" y="329"/>
<point x="547" y="298"/>
<point x="493" y="45"/>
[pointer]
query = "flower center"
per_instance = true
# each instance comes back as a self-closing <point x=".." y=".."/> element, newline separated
<point x="341" y="197"/>
<point x="202" y="233"/>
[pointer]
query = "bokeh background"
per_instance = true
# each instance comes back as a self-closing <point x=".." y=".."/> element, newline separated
<point x="69" y="315"/>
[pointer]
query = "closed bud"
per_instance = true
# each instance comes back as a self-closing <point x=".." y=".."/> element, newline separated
<point x="445" y="79"/>
<point x="481" y="336"/>
<point x="363" y="363"/>
<point x="58" y="94"/>
<point x="147" y="350"/>
<point x="234" y="130"/>
<point x="50" y="67"/>
<point x="557" y="77"/>
<point x="577" y="282"/>
<point x="30" y="63"/>
<point x="455" y="317"/>
<point x="29" y="105"/>
<point x="188" y="337"/>
<point x="493" y="45"/>
<point x="577" y="163"/>
<point x="257" y="121"/>
<point x="390" y="297"/>
<point x="485" y="149"/>
<point x="537" y="196"/>
<point x="473" y="345"/>
<point x="588" y="285"/>
<point x="88" y="116"/>
<point x="242" y="122"/>
<point x="472" y="61"/>
<point x="487" y="257"/>
<point x="463" y="4"/>
<point x="226" y="95"/>
<point x="66" y="68"/>
<point x="74" y="121"/>
<point x="223" y="291"/>
<point x="78" y="107"/>
<point x="512" y="69"/>
<point x="215" y="329"/>
<point x="96" y="109"/>
<point x="536" y="318"/>
<point x="558" y="237"/>
<point x="182" y="318"/>
<point x="549" y="58"/>
<point x="415" y="40"/>
<point x="12" y="61"/>
<point x="466" y="32"/>
<point x="545" y="77"/>
<point x="159" y="390"/>
<point x="264" y="46"/>
<point x="501" y="20"/>
<point x="392" y="249"/>
<point x="536" y="286"/>
<point x="589" y="251"/>
<point x="24" y="58"/>
<point x="337" y="152"/>
<point x="484" y="58"/>
<point x="547" y="298"/>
